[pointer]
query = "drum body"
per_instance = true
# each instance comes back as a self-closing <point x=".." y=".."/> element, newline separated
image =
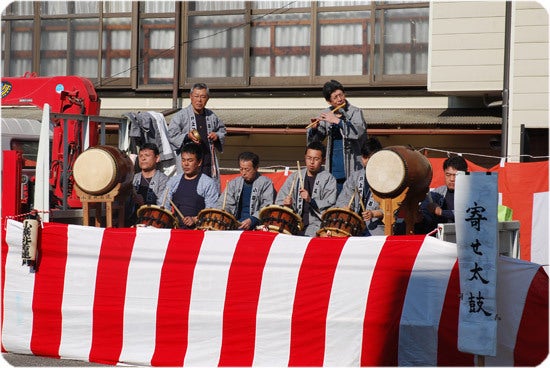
<point x="280" y="219"/>
<point x="393" y="169"/>
<point x="214" y="219"/>
<point x="156" y="216"/>
<point x="340" y="222"/>
<point x="99" y="169"/>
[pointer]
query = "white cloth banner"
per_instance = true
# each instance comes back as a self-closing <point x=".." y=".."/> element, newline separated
<point x="476" y="223"/>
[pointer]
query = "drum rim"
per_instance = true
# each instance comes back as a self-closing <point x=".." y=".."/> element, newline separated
<point x="341" y="209"/>
<point x="358" y="218"/>
<point x="275" y="228"/>
<point x="205" y="210"/>
<point x="285" y="209"/>
<point x="161" y="209"/>
<point x="155" y="206"/>
<point x="335" y="229"/>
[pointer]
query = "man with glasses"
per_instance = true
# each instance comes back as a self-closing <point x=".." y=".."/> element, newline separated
<point x="310" y="191"/>
<point x="197" y="124"/>
<point x="248" y="193"/>
<point x="345" y="129"/>
<point x="439" y="205"/>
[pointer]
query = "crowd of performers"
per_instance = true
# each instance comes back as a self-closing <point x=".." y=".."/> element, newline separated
<point x="333" y="179"/>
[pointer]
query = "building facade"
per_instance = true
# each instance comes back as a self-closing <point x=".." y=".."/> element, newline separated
<point x="426" y="74"/>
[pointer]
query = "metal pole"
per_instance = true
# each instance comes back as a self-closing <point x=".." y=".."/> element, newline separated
<point x="506" y="78"/>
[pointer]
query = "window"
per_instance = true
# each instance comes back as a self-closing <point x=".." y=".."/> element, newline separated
<point x="237" y="44"/>
<point x="157" y="33"/>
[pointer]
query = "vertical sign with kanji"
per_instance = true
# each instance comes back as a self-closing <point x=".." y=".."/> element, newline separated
<point x="476" y="223"/>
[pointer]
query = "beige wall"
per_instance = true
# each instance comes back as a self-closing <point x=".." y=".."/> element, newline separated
<point x="466" y="46"/>
<point x="529" y="71"/>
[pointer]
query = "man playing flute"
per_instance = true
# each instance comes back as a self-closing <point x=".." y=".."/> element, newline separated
<point x="344" y="128"/>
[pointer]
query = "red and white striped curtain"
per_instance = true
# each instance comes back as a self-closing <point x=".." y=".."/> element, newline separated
<point x="165" y="297"/>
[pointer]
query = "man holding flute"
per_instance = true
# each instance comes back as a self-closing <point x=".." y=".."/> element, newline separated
<point x="345" y="129"/>
<point x="310" y="191"/>
<point x="248" y="193"/>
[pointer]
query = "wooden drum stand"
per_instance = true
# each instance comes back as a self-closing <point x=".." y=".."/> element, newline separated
<point x="114" y="199"/>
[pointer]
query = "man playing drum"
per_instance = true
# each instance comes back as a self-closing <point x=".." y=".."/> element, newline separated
<point x="191" y="191"/>
<point x="345" y="129"/>
<point x="439" y="205"/>
<point x="247" y="194"/>
<point x="358" y="187"/>
<point x="310" y="191"/>
<point x="149" y="184"/>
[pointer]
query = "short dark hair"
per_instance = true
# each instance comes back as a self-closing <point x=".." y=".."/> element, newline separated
<point x="370" y="146"/>
<point x="331" y="86"/>
<point x="150" y="146"/>
<point x="250" y="156"/>
<point x="200" y="86"/>
<point x="318" y="146"/>
<point x="194" y="149"/>
<point x="458" y="162"/>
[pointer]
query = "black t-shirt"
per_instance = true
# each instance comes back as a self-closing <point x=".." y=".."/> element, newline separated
<point x="203" y="131"/>
<point x="186" y="198"/>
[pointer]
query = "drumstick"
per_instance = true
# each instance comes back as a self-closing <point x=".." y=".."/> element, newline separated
<point x="352" y="197"/>
<point x="177" y="210"/>
<point x="292" y="186"/>
<point x="165" y="196"/>
<point x="333" y="111"/>
<point x="225" y="195"/>
<point x="300" y="175"/>
<point x="362" y="204"/>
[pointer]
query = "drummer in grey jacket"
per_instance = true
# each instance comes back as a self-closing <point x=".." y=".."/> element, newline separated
<point x="357" y="186"/>
<point x="148" y="184"/>
<point x="193" y="190"/>
<point x="310" y="191"/>
<point x="196" y="118"/>
<point x="248" y="193"/>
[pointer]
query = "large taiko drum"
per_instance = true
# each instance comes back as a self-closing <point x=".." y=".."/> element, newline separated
<point x="393" y="169"/>
<point x="340" y="222"/>
<point x="280" y="219"/>
<point x="215" y="219"/>
<point x="156" y="216"/>
<point x="99" y="169"/>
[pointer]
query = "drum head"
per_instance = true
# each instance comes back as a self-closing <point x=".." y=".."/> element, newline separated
<point x="94" y="171"/>
<point x="385" y="172"/>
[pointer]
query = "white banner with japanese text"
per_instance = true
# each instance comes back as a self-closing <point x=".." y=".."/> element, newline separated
<point x="476" y="204"/>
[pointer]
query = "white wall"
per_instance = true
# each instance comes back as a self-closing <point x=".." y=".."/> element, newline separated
<point x="466" y="46"/>
<point x="529" y="71"/>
